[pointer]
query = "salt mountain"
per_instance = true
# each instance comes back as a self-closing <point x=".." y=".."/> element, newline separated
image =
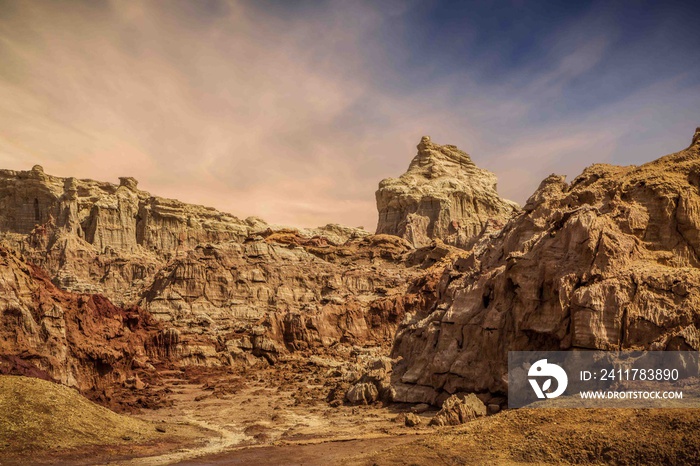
<point x="455" y="276"/>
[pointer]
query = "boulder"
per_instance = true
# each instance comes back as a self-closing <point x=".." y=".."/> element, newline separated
<point x="412" y="420"/>
<point x="458" y="410"/>
<point x="362" y="393"/>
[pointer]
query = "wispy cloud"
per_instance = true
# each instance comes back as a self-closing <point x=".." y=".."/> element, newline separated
<point x="294" y="113"/>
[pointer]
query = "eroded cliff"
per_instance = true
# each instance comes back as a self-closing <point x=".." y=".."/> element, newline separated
<point x="609" y="261"/>
<point x="443" y="195"/>
<point x="100" y="237"/>
<point x="279" y="292"/>
<point x="79" y="340"/>
<point x="226" y="289"/>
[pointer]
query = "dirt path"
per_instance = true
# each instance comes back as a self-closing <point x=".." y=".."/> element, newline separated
<point x="187" y="411"/>
<point x="327" y="453"/>
<point x="254" y="420"/>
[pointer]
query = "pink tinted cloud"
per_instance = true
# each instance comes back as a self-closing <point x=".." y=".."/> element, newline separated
<point x="260" y="115"/>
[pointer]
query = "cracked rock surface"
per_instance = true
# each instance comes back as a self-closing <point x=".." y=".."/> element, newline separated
<point x="443" y="195"/>
<point x="609" y="261"/>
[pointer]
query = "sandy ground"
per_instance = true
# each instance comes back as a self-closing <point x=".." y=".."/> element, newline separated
<point x="265" y="417"/>
<point x="262" y="412"/>
<point x="265" y="420"/>
<point x="279" y="415"/>
<point x="314" y="454"/>
<point x="556" y="436"/>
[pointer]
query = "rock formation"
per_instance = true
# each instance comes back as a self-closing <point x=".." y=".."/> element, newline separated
<point x="103" y="238"/>
<point x="609" y="261"/>
<point x="443" y="195"/>
<point x="82" y="341"/>
<point x="280" y="292"/>
<point x="374" y="385"/>
<point x="459" y="410"/>
<point x="225" y="288"/>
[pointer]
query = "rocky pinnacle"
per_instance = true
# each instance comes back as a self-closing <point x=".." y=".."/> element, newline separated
<point x="443" y="195"/>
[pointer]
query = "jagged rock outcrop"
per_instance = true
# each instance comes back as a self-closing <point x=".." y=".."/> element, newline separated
<point x="458" y="410"/>
<point x="443" y="195"/>
<point x="103" y="238"/>
<point x="280" y="292"/>
<point x="362" y="394"/>
<point x="374" y="385"/>
<point x="609" y="261"/>
<point x="226" y="289"/>
<point x="83" y="341"/>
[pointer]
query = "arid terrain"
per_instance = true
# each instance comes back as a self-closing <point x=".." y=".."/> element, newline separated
<point x="141" y="330"/>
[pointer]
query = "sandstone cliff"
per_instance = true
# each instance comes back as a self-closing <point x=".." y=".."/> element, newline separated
<point x="443" y="195"/>
<point x="226" y="289"/>
<point x="108" y="216"/>
<point x="103" y="238"/>
<point x="279" y="292"/>
<point x="83" y="341"/>
<point x="609" y="261"/>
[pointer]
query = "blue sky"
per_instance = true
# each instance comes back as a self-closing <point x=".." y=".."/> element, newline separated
<point x="293" y="111"/>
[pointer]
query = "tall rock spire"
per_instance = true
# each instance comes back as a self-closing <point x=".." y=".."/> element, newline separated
<point x="443" y="195"/>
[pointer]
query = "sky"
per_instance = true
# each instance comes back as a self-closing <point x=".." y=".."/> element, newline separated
<point x="293" y="111"/>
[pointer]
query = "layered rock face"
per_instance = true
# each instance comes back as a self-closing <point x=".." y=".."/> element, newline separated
<point x="280" y="292"/>
<point x="108" y="216"/>
<point x="103" y="238"/>
<point x="443" y="195"/>
<point x="225" y="289"/>
<point x="610" y="261"/>
<point x="83" y="341"/>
